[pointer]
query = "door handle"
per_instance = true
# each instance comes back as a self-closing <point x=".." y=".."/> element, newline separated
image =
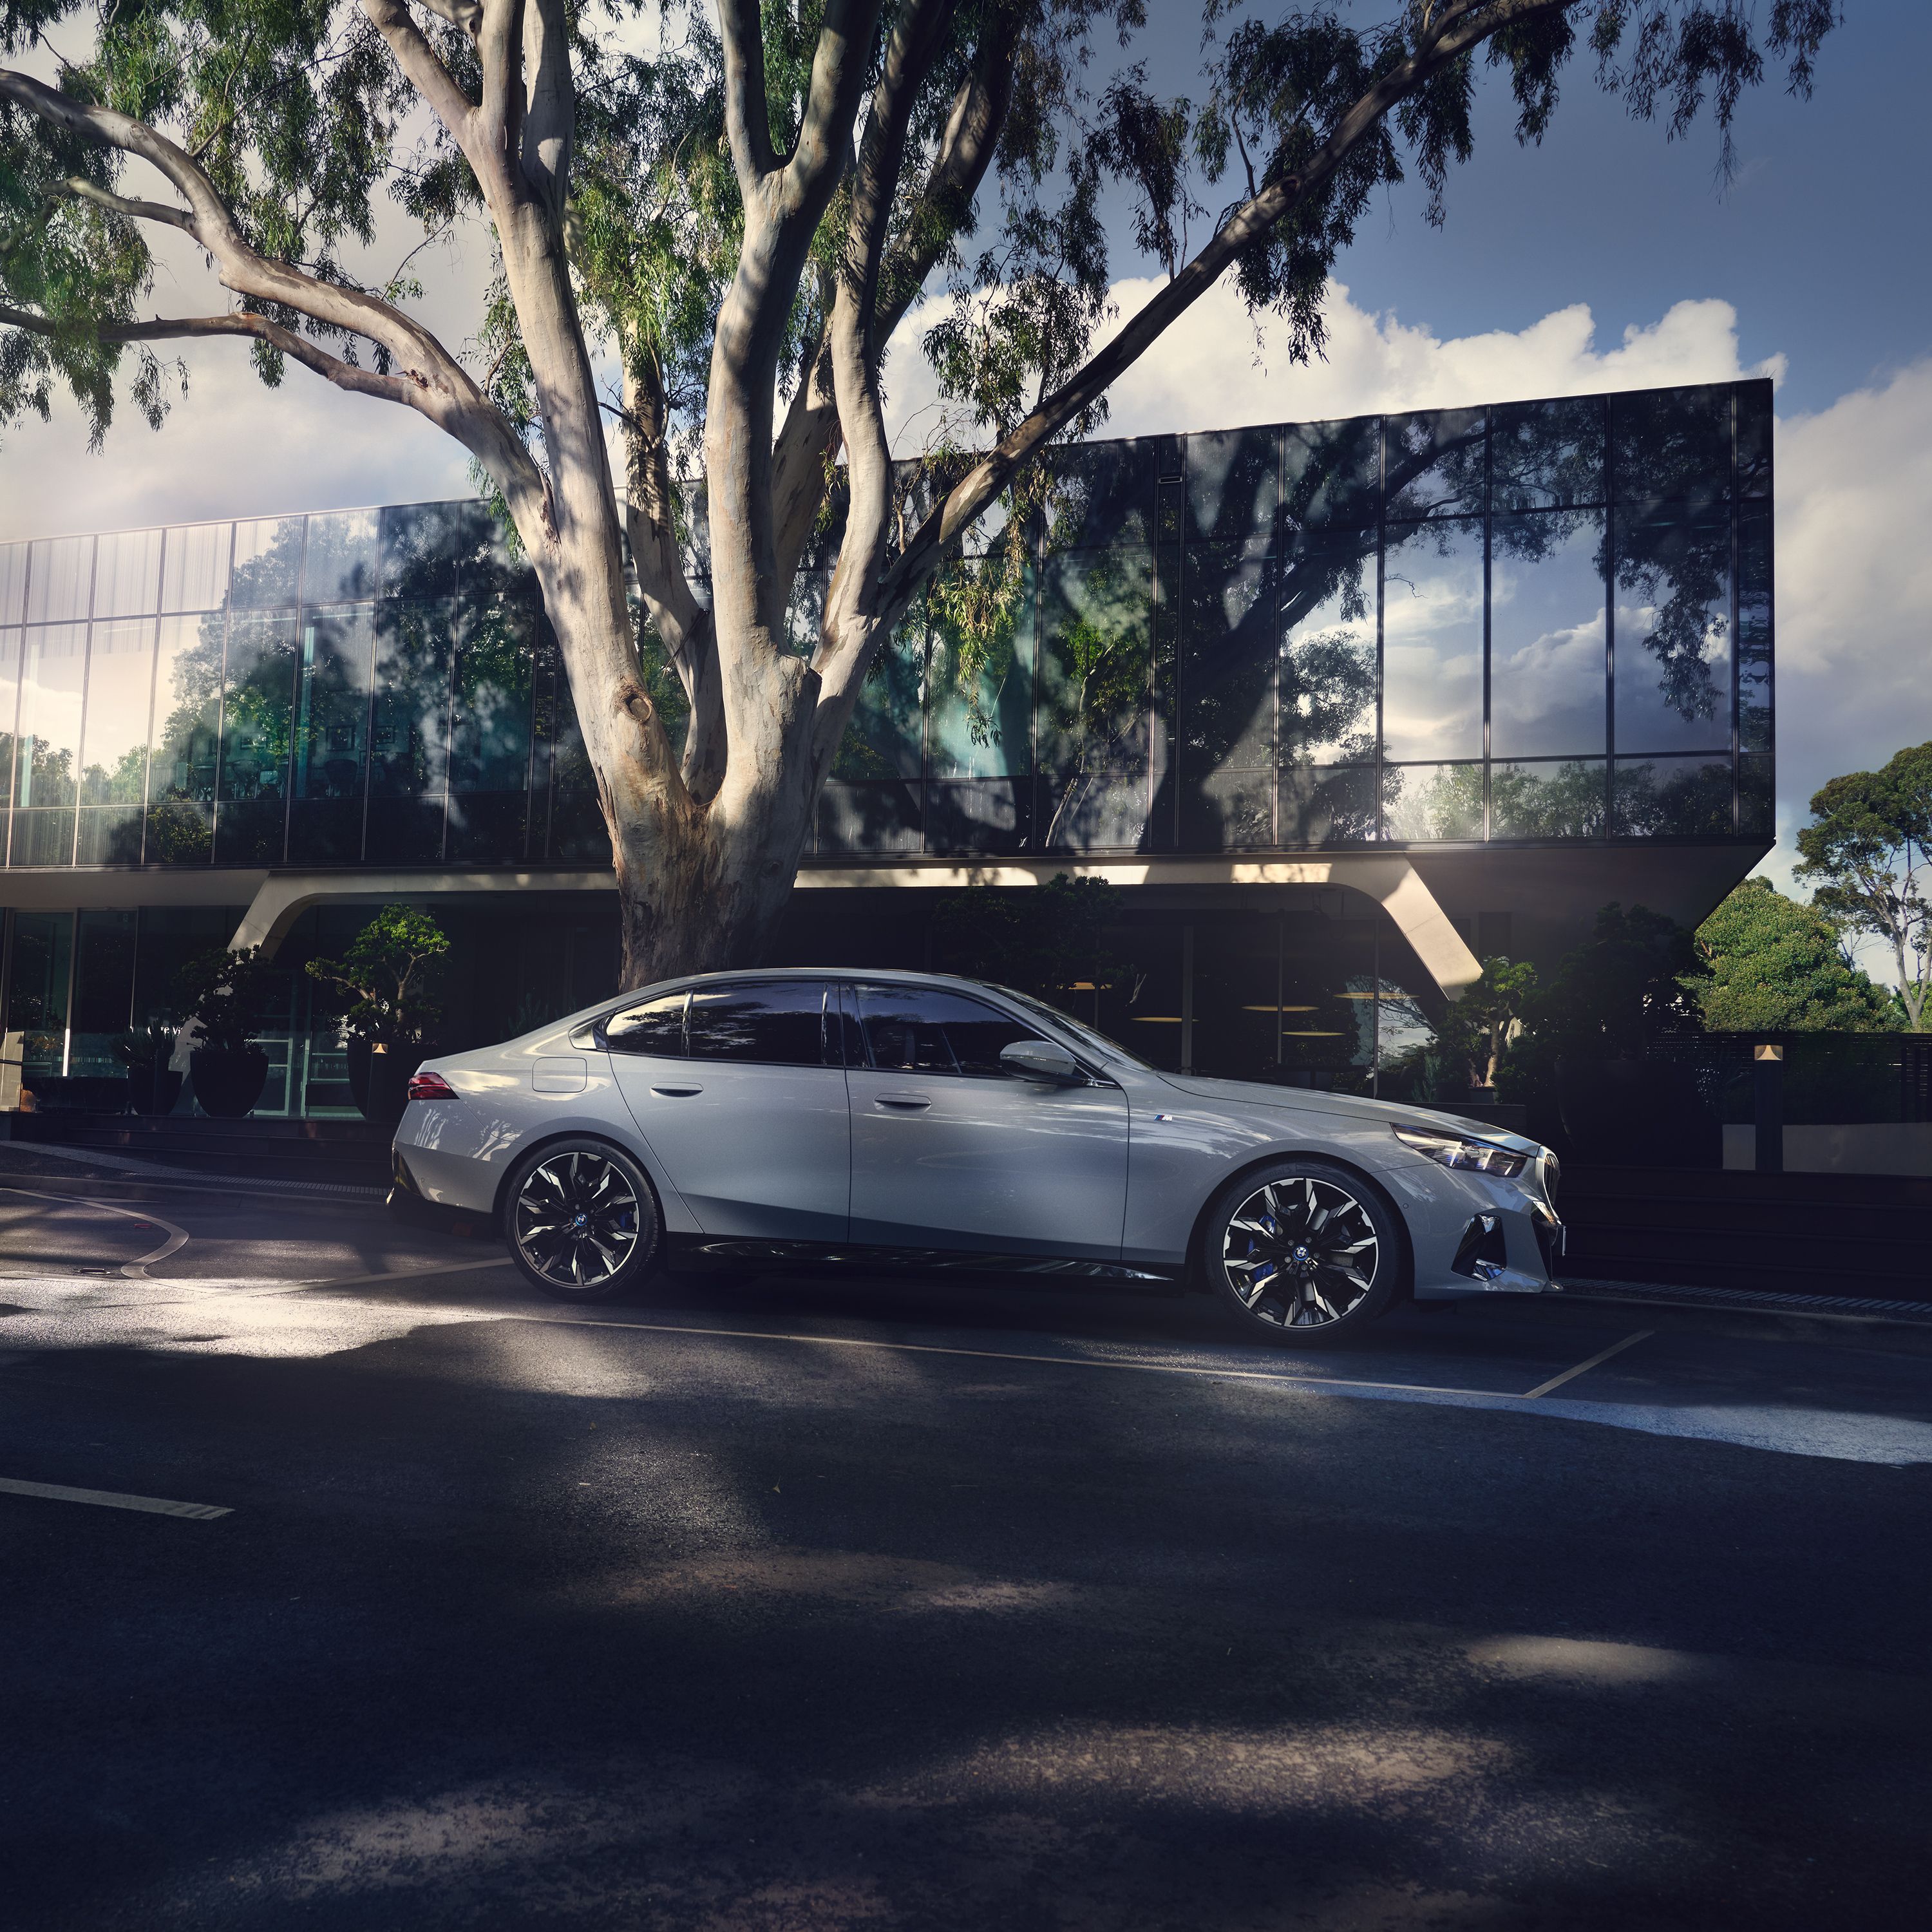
<point x="911" y="1103"/>
<point x="677" y="1093"/>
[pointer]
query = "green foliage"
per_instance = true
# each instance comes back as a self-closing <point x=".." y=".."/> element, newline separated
<point x="1868" y="851"/>
<point x="1482" y="1025"/>
<point x="1776" y="967"/>
<point x="225" y="996"/>
<point x="390" y="973"/>
<point x="1639" y="973"/>
<point x="1047" y="941"/>
<point x="141" y="1052"/>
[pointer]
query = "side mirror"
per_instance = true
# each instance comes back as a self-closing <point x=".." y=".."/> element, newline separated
<point x="1041" y="1060"/>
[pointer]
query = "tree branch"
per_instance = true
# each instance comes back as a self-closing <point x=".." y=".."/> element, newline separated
<point x="847" y="628"/>
<point x="810" y="431"/>
<point x="748" y="125"/>
<point x="550" y="102"/>
<point x="434" y="383"/>
<point x="241" y="322"/>
<point x="1453" y="32"/>
<point x="117" y="204"/>
<point x="423" y="70"/>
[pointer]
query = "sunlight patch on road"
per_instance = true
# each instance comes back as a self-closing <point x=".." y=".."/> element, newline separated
<point x="240" y="1316"/>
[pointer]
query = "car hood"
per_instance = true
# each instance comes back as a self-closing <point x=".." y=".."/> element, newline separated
<point x="1313" y="1100"/>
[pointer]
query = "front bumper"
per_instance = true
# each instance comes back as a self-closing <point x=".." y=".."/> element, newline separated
<point x="1484" y="1236"/>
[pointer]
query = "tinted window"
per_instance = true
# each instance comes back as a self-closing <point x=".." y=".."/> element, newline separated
<point x="922" y="1031"/>
<point x="779" y="1023"/>
<point x="655" y="1026"/>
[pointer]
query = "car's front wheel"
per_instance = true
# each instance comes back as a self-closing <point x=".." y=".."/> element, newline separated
<point x="582" y="1221"/>
<point x="1301" y="1252"/>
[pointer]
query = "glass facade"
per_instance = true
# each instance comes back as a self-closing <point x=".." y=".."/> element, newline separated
<point x="360" y="688"/>
<point x="1539" y="622"/>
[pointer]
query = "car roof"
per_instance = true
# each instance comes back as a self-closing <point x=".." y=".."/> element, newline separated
<point x="872" y="975"/>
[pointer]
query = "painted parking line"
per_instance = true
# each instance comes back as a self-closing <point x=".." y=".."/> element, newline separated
<point x="136" y="1269"/>
<point x="1602" y="1355"/>
<point x="1199" y="1370"/>
<point x="60" y="1493"/>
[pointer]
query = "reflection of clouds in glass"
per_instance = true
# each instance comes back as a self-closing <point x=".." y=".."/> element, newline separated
<point x="1673" y="677"/>
<point x="1432" y="643"/>
<point x="1547" y="636"/>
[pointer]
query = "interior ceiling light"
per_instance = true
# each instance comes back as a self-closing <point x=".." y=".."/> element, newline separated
<point x="1281" y="1009"/>
<point x="1157" y="1019"/>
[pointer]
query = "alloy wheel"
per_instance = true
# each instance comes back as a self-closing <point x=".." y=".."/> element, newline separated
<point x="1299" y="1253"/>
<point x="577" y="1222"/>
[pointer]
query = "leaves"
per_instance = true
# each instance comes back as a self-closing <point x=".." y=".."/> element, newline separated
<point x="1775" y="966"/>
<point x="1868" y="850"/>
<point x="389" y="971"/>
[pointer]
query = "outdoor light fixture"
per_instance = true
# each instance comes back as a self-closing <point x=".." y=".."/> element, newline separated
<point x="1457" y="1150"/>
<point x="427" y="1086"/>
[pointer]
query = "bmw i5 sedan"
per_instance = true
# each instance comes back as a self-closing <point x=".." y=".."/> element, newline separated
<point x="915" y="1120"/>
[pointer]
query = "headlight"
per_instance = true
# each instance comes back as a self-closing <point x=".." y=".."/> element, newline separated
<point x="1457" y="1150"/>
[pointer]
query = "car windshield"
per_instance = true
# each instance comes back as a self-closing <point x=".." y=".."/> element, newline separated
<point x="1088" y="1037"/>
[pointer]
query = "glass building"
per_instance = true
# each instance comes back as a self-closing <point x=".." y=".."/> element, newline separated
<point x="1517" y="659"/>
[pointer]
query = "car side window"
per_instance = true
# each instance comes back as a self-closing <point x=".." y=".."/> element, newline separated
<point x="656" y="1026"/>
<point x="775" y="1022"/>
<point x="922" y="1030"/>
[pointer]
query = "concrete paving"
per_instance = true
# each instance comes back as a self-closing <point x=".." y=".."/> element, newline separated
<point x="801" y="1604"/>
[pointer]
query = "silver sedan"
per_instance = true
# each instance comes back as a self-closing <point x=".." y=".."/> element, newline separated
<point x="912" y="1120"/>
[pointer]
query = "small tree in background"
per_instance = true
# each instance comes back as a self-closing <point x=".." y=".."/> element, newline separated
<point x="1868" y="851"/>
<point x="1778" y="967"/>
<point x="389" y="972"/>
<point x="225" y="997"/>
<point x="1488" y="1019"/>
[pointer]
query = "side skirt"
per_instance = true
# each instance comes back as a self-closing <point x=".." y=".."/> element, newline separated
<point x="705" y="1250"/>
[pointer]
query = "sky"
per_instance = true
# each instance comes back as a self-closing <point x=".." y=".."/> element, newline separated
<point x="1610" y="257"/>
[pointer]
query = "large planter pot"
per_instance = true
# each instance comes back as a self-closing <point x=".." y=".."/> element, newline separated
<point x="154" y="1089"/>
<point x="227" y="1084"/>
<point x="379" y="1083"/>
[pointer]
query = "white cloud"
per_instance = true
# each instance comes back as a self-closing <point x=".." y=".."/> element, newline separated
<point x="1215" y="370"/>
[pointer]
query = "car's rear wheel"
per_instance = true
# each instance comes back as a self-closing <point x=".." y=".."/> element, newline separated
<point x="582" y="1221"/>
<point x="1302" y="1253"/>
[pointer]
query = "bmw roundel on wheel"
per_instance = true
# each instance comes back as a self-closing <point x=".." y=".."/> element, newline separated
<point x="914" y="1120"/>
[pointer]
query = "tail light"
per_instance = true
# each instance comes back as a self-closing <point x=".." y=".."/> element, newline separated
<point x="428" y="1086"/>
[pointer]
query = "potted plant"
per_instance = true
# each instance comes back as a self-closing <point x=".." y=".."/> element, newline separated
<point x="154" y="1086"/>
<point x="389" y="972"/>
<point x="223" y="994"/>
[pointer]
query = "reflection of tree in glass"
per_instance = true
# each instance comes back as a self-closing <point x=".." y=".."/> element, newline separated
<point x="1328" y="676"/>
<point x="270" y="580"/>
<point x="408" y="725"/>
<point x="1542" y="801"/>
<point x="1688" y="799"/>
<point x="1095" y="701"/>
<point x="1444" y="802"/>
<point x="885" y="725"/>
<point x="1677" y="570"/>
<point x="495" y="664"/>
<point x="257" y="716"/>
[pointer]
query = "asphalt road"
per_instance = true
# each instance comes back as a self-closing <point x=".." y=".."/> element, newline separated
<point x="801" y="1605"/>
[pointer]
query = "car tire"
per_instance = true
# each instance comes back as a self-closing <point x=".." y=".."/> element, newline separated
<point x="1301" y="1252"/>
<point x="581" y="1220"/>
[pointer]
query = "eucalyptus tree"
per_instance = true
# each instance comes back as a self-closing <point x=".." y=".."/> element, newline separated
<point x="707" y="225"/>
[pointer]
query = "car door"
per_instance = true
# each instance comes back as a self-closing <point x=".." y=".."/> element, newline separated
<point x="951" y="1151"/>
<point x="738" y="1089"/>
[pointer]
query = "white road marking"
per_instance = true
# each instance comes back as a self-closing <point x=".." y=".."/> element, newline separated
<point x="135" y="1270"/>
<point x="60" y="1493"/>
<point x="406" y="1274"/>
<point x="1011" y="1355"/>
<point x="1603" y="1355"/>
